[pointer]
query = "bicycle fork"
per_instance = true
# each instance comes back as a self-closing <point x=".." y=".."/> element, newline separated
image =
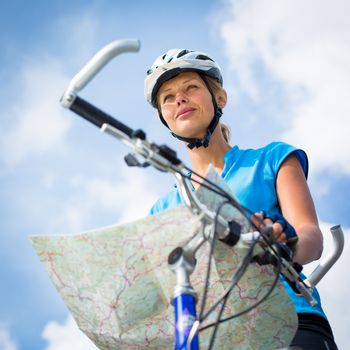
<point x="184" y="299"/>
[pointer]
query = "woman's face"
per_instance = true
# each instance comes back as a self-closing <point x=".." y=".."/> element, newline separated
<point x="186" y="105"/>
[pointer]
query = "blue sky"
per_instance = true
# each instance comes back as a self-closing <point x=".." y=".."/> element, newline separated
<point x="286" y="69"/>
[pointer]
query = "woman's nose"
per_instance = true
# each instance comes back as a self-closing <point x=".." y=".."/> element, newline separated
<point x="181" y="98"/>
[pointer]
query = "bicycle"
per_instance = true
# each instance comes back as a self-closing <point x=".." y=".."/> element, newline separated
<point x="182" y="259"/>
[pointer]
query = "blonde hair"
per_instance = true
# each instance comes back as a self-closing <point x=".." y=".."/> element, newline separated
<point x="214" y="84"/>
<point x="225" y="129"/>
<point x="226" y="132"/>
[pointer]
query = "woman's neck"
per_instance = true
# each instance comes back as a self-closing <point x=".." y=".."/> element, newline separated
<point x="213" y="154"/>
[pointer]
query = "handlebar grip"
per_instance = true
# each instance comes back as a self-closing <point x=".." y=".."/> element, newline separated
<point x="96" y="116"/>
<point x="328" y="261"/>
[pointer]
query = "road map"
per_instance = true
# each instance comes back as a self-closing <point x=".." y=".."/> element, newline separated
<point x="118" y="287"/>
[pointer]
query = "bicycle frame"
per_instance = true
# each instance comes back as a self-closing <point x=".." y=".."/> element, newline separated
<point x="182" y="259"/>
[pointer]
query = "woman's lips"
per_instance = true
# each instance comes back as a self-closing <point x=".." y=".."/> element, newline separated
<point x="184" y="112"/>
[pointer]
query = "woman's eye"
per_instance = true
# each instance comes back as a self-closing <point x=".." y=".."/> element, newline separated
<point x="167" y="98"/>
<point x="191" y="87"/>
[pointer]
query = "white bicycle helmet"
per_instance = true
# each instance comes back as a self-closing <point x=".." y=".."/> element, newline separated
<point x="174" y="62"/>
<point x="178" y="61"/>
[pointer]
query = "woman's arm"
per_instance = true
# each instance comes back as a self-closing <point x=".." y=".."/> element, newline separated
<point x="298" y="208"/>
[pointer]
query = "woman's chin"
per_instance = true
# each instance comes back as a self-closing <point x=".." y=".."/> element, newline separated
<point x="190" y="135"/>
<point x="188" y="130"/>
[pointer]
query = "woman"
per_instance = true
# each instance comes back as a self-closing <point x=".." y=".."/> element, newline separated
<point x="186" y="88"/>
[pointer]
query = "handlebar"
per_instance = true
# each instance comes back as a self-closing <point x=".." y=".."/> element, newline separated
<point x="328" y="261"/>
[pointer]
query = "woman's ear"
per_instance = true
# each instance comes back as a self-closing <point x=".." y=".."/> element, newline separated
<point x="221" y="98"/>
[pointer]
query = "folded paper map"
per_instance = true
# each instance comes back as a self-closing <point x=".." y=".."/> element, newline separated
<point x="118" y="287"/>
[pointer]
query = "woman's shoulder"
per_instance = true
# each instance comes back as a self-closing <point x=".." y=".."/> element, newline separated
<point x="273" y="153"/>
<point x="277" y="152"/>
<point x="272" y="149"/>
<point x="275" y="147"/>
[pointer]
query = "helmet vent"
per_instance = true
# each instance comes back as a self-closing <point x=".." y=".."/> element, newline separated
<point x="204" y="58"/>
<point x="182" y="53"/>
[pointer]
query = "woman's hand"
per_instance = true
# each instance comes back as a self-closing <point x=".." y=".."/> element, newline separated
<point x="260" y="221"/>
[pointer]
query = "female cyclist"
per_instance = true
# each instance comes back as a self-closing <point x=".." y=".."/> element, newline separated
<point x="186" y="87"/>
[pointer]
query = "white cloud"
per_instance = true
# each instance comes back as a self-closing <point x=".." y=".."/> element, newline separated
<point x="131" y="196"/>
<point x="6" y="342"/>
<point x="304" y="46"/>
<point x="127" y="197"/>
<point x="66" y="336"/>
<point x="80" y="35"/>
<point x="38" y="124"/>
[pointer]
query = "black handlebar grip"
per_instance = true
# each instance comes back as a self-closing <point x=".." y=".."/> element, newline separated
<point x="96" y="116"/>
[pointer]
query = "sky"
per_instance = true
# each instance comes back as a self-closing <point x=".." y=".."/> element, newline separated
<point x="286" y="67"/>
